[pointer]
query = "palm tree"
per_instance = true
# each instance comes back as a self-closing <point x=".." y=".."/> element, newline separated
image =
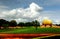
<point x="36" y="24"/>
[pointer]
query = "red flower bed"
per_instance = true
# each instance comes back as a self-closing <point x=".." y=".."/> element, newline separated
<point x="21" y="36"/>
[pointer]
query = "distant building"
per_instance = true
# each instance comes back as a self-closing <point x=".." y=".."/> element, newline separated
<point x="47" y="22"/>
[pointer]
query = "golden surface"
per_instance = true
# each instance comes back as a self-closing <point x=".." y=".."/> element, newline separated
<point x="47" y="21"/>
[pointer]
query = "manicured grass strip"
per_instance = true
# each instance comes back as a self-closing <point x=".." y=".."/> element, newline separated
<point x="31" y="30"/>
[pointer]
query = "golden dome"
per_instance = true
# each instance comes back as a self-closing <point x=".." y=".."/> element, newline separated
<point x="47" y="21"/>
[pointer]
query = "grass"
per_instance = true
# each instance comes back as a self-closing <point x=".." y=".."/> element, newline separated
<point x="30" y="30"/>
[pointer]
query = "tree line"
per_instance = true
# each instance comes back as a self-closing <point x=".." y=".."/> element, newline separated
<point x="4" y="23"/>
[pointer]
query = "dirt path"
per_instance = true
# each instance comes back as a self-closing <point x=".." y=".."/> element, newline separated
<point x="23" y="36"/>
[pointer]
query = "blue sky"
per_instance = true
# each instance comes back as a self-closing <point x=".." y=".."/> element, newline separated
<point x="51" y="10"/>
<point x="47" y="4"/>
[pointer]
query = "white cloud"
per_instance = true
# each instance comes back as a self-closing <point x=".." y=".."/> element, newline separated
<point x="33" y="12"/>
<point x="21" y="14"/>
<point x="34" y="7"/>
<point x="46" y="18"/>
<point x="57" y="21"/>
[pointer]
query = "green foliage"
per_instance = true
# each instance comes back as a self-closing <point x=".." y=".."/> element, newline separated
<point x="28" y="24"/>
<point x="21" y="24"/>
<point x="13" y="23"/>
<point x="2" y="21"/>
<point x="5" y="25"/>
<point x="36" y="23"/>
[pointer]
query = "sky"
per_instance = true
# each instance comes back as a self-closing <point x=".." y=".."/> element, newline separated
<point x="29" y="10"/>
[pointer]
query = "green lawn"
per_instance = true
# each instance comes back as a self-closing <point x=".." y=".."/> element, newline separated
<point x="30" y="30"/>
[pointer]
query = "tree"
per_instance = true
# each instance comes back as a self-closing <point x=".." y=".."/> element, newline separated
<point x="5" y="26"/>
<point x="21" y="24"/>
<point x="3" y="22"/>
<point x="28" y="24"/>
<point x="36" y="24"/>
<point x="13" y="23"/>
